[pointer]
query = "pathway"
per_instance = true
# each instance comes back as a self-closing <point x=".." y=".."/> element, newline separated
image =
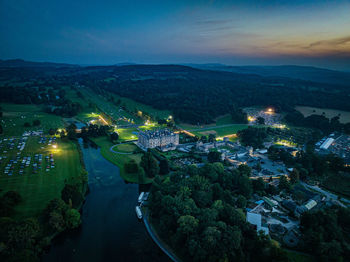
<point x="157" y="240"/>
<point x="329" y="195"/>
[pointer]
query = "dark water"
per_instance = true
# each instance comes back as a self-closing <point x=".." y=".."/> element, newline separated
<point x="110" y="229"/>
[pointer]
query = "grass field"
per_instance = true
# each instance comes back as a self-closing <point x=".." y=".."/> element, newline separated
<point x="126" y="134"/>
<point x="136" y="106"/>
<point x="294" y="256"/>
<point x="219" y="131"/>
<point x="125" y="148"/>
<point x="329" y="113"/>
<point x="38" y="189"/>
<point x="16" y="115"/>
<point x="121" y="116"/>
<point x="119" y="159"/>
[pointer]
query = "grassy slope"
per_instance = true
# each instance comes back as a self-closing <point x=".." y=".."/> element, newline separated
<point x="217" y="127"/>
<point x="38" y="189"/>
<point x="221" y="131"/>
<point x="119" y="159"/>
<point x="14" y="123"/>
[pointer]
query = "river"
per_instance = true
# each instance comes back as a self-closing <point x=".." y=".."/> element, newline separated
<point x="110" y="230"/>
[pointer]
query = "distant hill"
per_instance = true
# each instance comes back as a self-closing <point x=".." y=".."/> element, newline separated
<point x="23" y="63"/>
<point x="308" y="73"/>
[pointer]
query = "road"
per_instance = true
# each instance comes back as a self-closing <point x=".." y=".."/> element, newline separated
<point x="157" y="240"/>
<point x="329" y="195"/>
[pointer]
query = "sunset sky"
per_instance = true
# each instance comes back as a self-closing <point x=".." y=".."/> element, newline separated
<point x="249" y="32"/>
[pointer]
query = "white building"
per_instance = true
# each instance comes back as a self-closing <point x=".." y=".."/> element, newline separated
<point x="164" y="139"/>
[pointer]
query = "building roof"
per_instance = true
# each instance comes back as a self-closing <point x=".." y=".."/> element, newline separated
<point x="156" y="133"/>
<point x="327" y="143"/>
<point x="310" y="204"/>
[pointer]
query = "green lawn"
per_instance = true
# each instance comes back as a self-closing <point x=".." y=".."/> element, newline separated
<point x="38" y="189"/>
<point x="125" y="148"/>
<point x="294" y="256"/>
<point x="127" y="133"/>
<point x="136" y="106"/>
<point x="15" y="116"/>
<point x="119" y="160"/>
<point x="219" y="131"/>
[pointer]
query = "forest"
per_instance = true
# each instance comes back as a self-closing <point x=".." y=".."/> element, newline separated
<point x="199" y="211"/>
<point x="193" y="95"/>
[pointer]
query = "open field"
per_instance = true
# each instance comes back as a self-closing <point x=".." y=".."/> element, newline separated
<point x="219" y="131"/>
<point x="121" y="116"/>
<point x="136" y="106"/>
<point x="126" y="134"/>
<point x="221" y="120"/>
<point x="344" y="116"/>
<point x="125" y="148"/>
<point x="294" y="256"/>
<point x="37" y="189"/>
<point x="16" y="115"/>
<point x="119" y="159"/>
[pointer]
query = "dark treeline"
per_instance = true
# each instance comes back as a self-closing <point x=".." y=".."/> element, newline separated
<point x="194" y="96"/>
<point x="320" y="122"/>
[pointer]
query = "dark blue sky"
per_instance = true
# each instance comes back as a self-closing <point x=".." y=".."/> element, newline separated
<point x="250" y="32"/>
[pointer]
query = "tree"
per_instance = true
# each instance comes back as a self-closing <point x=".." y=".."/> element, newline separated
<point x="294" y="176"/>
<point x="71" y="193"/>
<point x="114" y="136"/>
<point x="149" y="164"/>
<point x="187" y="224"/>
<point x="244" y="170"/>
<point x="259" y="185"/>
<point x="245" y="186"/>
<point x="26" y="124"/>
<point x="241" y="201"/>
<point x="131" y="166"/>
<point x="260" y="120"/>
<point x="211" y="138"/>
<point x="73" y="218"/>
<point x="36" y="122"/>
<point x="214" y="156"/>
<point x="253" y="136"/>
<point x="284" y="183"/>
<point x="23" y="235"/>
<point x="52" y="131"/>
<point x="164" y="166"/>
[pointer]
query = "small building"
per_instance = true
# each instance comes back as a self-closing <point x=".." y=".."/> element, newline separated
<point x="327" y="143"/>
<point x="255" y="219"/>
<point x="310" y="204"/>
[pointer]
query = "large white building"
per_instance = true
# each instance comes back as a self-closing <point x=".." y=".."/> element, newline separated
<point x="164" y="139"/>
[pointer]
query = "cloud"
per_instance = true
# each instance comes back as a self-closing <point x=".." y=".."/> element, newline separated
<point x="332" y="42"/>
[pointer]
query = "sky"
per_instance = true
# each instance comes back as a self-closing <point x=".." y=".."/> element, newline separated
<point x="242" y="32"/>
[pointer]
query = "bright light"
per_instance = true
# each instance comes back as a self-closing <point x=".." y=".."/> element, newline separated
<point x="170" y="117"/>
<point x="251" y="119"/>
<point x="270" y="109"/>
<point x="54" y="146"/>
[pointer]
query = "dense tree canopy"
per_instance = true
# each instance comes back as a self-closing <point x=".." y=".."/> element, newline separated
<point x="198" y="211"/>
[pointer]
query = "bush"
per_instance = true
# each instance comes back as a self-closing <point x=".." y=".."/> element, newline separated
<point x="36" y="122"/>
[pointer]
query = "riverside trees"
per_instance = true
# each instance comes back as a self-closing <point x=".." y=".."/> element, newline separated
<point x="198" y="212"/>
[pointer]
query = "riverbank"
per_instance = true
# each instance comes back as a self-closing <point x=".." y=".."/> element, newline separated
<point x="110" y="230"/>
<point x="120" y="159"/>
<point x="153" y="233"/>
